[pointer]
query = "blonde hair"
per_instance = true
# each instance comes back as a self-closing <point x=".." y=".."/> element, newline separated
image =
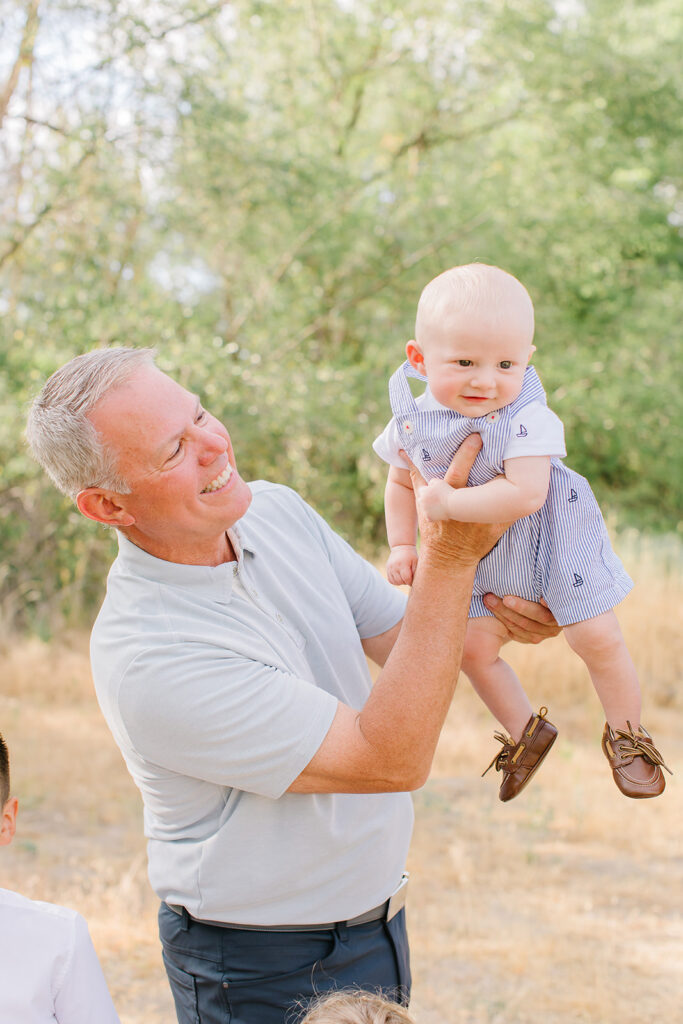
<point x="473" y="287"/>
<point x="356" y="1008"/>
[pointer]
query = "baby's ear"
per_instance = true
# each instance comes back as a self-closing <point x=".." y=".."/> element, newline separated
<point x="415" y="357"/>
<point x="532" y="349"/>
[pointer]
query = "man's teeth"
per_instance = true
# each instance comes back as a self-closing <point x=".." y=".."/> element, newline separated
<point x="220" y="481"/>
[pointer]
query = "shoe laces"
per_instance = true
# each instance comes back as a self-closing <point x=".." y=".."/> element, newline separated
<point x="508" y="745"/>
<point x="501" y="758"/>
<point x="638" y="745"/>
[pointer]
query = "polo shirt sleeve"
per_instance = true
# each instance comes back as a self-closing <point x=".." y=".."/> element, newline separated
<point x="202" y="711"/>
<point x="535" y="430"/>
<point x="375" y="604"/>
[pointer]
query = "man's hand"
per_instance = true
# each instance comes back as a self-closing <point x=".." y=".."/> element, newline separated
<point x="525" y="621"/>
<point x="449" y="541"/>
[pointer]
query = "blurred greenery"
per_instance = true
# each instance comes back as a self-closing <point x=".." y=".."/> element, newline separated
<point x="261" y="188"/>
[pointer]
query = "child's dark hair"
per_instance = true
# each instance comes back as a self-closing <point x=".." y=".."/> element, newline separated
<point x="4" y="773"/>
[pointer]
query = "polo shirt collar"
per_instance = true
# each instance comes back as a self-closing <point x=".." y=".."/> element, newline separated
<point x="215" y="578"/>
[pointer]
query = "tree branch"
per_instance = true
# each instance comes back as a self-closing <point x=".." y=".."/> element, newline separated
<point x="24" y="56"/>
<point x="28" y="230"/>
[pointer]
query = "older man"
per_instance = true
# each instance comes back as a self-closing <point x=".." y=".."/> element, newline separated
<point x="229" y="662"/>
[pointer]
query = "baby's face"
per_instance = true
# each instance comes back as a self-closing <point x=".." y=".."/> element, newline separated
<point x="473" y="364"/>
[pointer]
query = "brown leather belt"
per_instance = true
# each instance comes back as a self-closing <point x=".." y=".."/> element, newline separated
<point x="384" y="912"/>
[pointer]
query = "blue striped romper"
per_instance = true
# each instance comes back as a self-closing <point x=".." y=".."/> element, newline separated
<point x="562" y="552"/>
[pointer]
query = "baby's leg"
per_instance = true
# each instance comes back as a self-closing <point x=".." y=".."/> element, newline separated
<point x="634" y="759"/>
<point x="492" y="678"/>
<point x="600" y="645"/>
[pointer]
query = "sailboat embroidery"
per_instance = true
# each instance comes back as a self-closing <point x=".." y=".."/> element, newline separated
<point x="573" y="496"/>
<point x="426" y="456"/>
<point x="578" y="582"/>
<point x="522" y="432"/>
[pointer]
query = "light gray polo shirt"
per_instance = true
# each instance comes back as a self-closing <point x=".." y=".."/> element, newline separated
<point x="219" y="684"/>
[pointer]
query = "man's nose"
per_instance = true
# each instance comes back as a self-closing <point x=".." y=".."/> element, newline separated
<point x="211" y="445"/>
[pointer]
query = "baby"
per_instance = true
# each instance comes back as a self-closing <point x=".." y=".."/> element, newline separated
<point x="473" y="343"/>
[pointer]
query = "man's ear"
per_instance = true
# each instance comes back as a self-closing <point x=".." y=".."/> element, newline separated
<point x="9" y="821"/>
<point x="415" y="357"/>
<point x="103" y="507"/>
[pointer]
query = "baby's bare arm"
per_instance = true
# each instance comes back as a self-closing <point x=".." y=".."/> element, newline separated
<point x="522" y="490"/>
<point x="399" y="508"/>
<point x="401" y="518"/>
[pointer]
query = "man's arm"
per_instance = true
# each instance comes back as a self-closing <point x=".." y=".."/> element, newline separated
<point x="378" y="648"/>
<point x="390" y="743"/>
<point x="527" y="622"/>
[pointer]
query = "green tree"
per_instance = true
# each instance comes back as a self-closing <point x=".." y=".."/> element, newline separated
<point x="260" y="190"/>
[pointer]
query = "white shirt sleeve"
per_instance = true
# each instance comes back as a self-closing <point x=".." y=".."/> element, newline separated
<point x="82" y="996"/>
<point x="535" y="430"/>
<point x="388" y="444"/>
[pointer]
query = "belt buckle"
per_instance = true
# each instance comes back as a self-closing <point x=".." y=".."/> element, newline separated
<point x="397" y="900"/>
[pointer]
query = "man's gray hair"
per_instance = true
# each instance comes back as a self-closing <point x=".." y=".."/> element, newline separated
<point x="62" y="438"/>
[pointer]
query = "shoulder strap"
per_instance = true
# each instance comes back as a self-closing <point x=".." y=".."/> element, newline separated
<point x="400" y="395"/>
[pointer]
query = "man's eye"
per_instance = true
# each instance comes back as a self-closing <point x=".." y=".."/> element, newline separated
<point x="464" y="362"/>
<point x="201" y="415"/>
<point x="506" y="364"/>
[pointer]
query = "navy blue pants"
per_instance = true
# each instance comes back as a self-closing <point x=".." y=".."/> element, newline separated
<point x="228" y="976"/>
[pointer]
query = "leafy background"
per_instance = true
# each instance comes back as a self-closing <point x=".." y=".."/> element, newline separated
<point x="261" y="189"/>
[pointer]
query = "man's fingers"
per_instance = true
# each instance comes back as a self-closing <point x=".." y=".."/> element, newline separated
<point x="415" y="474"/>
<point x="526" y="621"/>
<point x="458" y="472"/>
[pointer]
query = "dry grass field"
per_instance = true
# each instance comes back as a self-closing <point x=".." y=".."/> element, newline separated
<point x="565" y="905"/>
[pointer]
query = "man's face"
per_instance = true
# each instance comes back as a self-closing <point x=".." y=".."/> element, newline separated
<point x="474" y="365"/>
<point x="178" y="461"/>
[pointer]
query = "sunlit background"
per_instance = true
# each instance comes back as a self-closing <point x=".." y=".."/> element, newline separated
<point x="260" y="190"/>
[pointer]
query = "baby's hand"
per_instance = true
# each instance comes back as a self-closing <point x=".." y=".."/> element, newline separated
<point x="433" y="500"/>
<point x="402" y="564"/>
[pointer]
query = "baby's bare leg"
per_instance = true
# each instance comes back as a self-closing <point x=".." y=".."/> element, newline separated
<point x="600" y="645"/>
<point x="492" y="678"/>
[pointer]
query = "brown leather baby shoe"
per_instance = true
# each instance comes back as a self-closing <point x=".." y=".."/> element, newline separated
<point x="630" y="752"/>
<point x="519" y="761"/>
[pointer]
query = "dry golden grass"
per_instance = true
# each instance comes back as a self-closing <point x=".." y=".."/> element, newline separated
<point x="562" y="906"/>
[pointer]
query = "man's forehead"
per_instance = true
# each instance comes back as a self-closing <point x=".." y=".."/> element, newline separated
<point x="144" y="412"/>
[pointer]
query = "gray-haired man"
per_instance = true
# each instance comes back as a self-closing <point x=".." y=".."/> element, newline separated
<point x="229" y="662"/>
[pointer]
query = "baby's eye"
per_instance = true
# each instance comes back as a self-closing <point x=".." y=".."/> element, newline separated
<point x="506" y="364"/>
<point x="464" y="362"/>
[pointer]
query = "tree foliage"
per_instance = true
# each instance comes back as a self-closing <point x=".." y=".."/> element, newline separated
<point x="261" y="189"/>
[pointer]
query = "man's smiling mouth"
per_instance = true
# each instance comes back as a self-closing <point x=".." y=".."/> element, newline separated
<point x="220" y="481"/>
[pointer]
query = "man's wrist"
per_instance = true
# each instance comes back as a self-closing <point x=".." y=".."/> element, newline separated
<point x="442" y="551"/>
<point x="457" y="544"/>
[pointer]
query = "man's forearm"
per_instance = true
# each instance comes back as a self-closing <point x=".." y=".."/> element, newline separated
<point x="390" y="743"/>
<point x="403" y="716"/>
